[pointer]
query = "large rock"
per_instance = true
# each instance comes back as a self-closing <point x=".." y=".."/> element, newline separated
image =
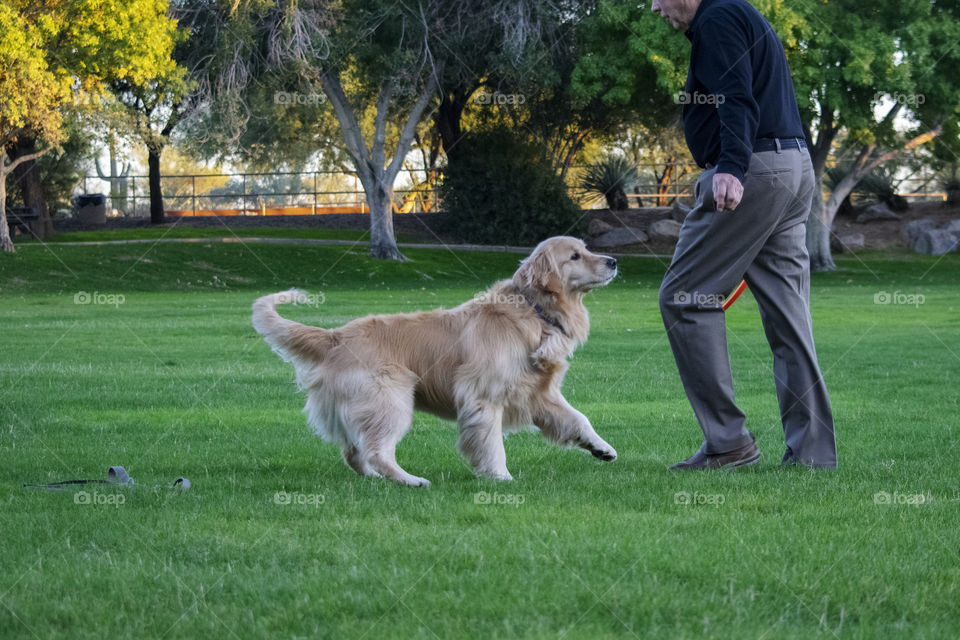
<point x="598" y="227"/>
<point x="912" y="229"/>
<point x="669" y="229"/>
<point x="619" y="237"/>
<point x="953" y="226"/>
<point x="679" y="211"/>
<point x="935" y="242"/>
<point x="847" y="242"/>
<point x="877" y="212"/>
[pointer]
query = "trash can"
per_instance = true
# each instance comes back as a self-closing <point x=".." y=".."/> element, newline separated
<point x="92" y="209"/>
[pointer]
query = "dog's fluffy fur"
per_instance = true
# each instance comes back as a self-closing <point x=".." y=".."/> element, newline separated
<point x="494" y="364"/>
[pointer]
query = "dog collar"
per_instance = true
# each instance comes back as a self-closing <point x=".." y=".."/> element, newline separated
<point x="553" y="322"/>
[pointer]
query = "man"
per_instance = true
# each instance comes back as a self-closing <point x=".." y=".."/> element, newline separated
<point x="742" y="125"/>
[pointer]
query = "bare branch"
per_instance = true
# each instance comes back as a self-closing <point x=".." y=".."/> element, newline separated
<point x="6" y="167"/>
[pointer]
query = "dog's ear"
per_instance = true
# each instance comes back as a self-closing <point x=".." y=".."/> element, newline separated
<point x="539" y="271"/>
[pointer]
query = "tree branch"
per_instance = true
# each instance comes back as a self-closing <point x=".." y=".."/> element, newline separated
<point x="352" y="136"/>
<point x="410" y="126"/>
<point x="7" y="167"/>
<point x="377" y="151"/>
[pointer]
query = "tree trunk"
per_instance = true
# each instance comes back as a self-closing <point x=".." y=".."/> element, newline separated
<point x="6" y="168"/>
<point x="818" y="232"/>
<point x="156" y="193"/>
<point x="448" y="119"/>
<point x="6" y="242"/>
<point x="383" y="243"/>
<point x="663" y="181"/>
<point x="31" y="190"/>
<point x="376" y="174"/>
<point x="822" y="214"/>
<point x="818" y="225"/>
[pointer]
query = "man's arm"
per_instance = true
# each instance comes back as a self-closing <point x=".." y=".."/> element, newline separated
<point x="725" y="70"/>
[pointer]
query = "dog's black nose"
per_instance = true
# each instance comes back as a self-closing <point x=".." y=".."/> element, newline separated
<point x="611" y="263"/>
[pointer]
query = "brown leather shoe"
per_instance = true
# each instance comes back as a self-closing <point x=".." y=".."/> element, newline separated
<point x="742" y="457"/>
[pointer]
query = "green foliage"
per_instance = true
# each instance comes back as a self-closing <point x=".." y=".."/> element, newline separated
<point x="502" y="190"/>
<point x="48" y="48"/>
<point x="610" y="179"/>
<point x="631" y="58"/>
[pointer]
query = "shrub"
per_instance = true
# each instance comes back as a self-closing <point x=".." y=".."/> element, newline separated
<point x="610" y="178"/>
<point x="950" y="183"/>
<point x="502" y="190"/>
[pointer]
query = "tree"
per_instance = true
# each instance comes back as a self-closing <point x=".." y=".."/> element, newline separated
<point x="883" y="80"/>
<point x="860" y="72"/>
<point x="154" y="109"/>
<point x="373" y="63"/>
<point x="51" y="51"/>
<point x="379" y="67"/>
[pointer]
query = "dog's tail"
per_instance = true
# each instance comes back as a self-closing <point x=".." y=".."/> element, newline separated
<point x="291" y="340"/>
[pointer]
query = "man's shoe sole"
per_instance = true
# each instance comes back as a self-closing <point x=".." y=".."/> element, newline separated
<point x="749" y="462"/>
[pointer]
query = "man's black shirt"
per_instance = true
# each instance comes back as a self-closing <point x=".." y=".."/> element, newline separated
<point x="738" y="87"/>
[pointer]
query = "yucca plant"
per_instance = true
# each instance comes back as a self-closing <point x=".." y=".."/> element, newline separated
<point x="610" y="178"/>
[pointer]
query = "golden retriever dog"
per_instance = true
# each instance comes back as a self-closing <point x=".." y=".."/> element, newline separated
<point x="494" y="364"/>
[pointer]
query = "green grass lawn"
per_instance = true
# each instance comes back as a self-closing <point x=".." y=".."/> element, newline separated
<point x="162" y="373"/>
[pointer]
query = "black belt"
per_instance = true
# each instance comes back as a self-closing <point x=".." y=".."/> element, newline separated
<point x="770" y="144"/>
<point x="775" y="144"/>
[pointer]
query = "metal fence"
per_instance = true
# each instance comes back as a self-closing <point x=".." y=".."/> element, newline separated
<point x="266" y="193"/>
<point x="321" y="192"/>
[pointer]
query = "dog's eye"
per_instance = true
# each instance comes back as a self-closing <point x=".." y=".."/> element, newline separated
<point x="575" y="256"/>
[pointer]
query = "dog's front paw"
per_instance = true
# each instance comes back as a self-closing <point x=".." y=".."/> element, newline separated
<point x="419" y="482"/>
<point x="607" y="453"/>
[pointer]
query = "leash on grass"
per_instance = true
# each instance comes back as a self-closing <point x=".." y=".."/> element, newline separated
<point x="115" y="475"/>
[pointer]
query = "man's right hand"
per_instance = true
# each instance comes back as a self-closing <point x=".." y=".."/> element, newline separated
<point x="727" y="191"/>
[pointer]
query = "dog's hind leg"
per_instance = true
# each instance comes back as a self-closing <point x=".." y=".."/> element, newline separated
<point x="356" y="461"/>
<point x="381" y="418"/>
<point x="563" y="424"/>
<point x="481" y="439"/>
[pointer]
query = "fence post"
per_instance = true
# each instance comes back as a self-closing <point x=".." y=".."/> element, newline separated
<point x="314" y="193"/>
<point x="193" y="189"/>
<point x="243" y="195"/>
